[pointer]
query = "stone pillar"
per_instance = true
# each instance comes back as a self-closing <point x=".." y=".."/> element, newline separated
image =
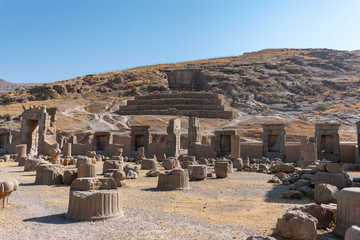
<point x="327" y="140"/>
<point x="173" y="138"/>
<point x="21" y="149"/>
<point x="193" y="135"/>
<point x="308" y="153"/>
<point x="348" y="210"/>
<point x="235" y="146"/>
<point x="174" y="180"/>
<point x="274" y="141"/>
<point x="55" y="155"/>
<point x="358" y="140"/>
<point x="140" y="137"/>
<point x="67" y="149"/>
<point x="94" y="199"/>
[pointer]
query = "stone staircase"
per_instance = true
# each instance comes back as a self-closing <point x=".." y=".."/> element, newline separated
<point x="192" y="104"/>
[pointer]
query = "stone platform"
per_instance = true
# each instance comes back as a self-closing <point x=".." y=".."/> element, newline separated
<point x="192" y="104"/>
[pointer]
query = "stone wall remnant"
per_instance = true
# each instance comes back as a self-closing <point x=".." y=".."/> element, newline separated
<point x="327" y="140"/>
<point x="193" y="135"/>
<point x="173" y="138"/>
<point x="274" y="138"/>
<point x="140" y="137"/>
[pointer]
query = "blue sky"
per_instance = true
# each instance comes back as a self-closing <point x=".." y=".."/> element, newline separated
<point x="48" y="40"/>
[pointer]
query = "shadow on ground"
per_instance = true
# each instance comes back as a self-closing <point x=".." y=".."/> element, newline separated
<point x="275" y="196"/>
<point x="50" y="219"/>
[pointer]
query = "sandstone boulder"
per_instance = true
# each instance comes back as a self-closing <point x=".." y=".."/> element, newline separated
<point x="334" y="168"/>
<point x="325" y="193"/>
<point x="324" y="216"/>
<point x="297" y="225"/>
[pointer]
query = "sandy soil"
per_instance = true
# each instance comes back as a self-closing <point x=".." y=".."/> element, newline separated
<point x="233" y="208"/>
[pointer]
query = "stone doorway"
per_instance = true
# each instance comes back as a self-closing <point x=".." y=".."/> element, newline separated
<point x="327" y="144"/>
<point x="3" y="140"/>
<point x="225" y="144"/>
<point x="274" y="143"/>
<point x="33" y="137"/>
<point x="139" y="141"/>
<point x="100" y="142"/>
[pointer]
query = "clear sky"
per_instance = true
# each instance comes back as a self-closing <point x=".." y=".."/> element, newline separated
<point x="52" y="40"/>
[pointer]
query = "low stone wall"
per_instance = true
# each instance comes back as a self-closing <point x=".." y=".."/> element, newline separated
<point x="251" y="150"/>
<point x="156" y="149"/>
<point x="348" y="152"/>
<point x="81" y="149"/>
<point x="204" y="151"/>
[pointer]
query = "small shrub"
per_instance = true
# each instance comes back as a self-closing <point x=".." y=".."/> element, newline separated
<point x="321" y="107"/>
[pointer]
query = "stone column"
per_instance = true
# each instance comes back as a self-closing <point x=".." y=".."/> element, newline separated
<point x="235" y="146"/>
<point x="21" y="149"/>
<point x="173" y="138"/>
<point x="193" y="135"/>
<point x="67" y="149"/>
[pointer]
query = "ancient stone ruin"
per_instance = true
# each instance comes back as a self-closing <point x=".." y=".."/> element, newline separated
<point x="193" y="135"/>
<point x="173" y="138"/>
<point x="140" y="137"/>
<point x="327" y="139"/>
<point x="274" y="141"/>
<point x="94" y="199"/>
<point x="177" y="179"/>
<point x="38" y="129"/>
<point x="6" y="187"/>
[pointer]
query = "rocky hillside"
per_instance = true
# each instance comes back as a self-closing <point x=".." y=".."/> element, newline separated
<point x="305" y="84"/>
<point x="6" y="86"/>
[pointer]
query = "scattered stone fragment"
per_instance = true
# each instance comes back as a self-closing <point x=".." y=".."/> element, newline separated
<point x="325" y="193"/>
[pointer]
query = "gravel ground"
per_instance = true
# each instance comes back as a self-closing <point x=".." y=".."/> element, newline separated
<point x="233" y="208"/>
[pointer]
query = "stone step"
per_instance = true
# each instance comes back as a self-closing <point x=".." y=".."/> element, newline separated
<point x="173" y="106"/>
<point x="197" y="95"/>
<point x="189" y="113"/>
<point x="174" y="101"/>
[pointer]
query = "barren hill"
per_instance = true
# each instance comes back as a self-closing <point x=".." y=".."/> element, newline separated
<point x="6" y="86"/>
<point x="302" y="84"/>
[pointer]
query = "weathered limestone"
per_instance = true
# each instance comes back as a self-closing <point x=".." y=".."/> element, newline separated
<point x="197" y="172"/>
<point x="274" y="141"/>
<point x="170" y="163"/>
<point x="193" y="135"/>
<point x="31" y="164"/>
<point x="67" y="149"/>
<point x="297" y="225"/>
<point x="112" y="164"/>
<point x="5" y="139"/>
<point x="140" y="137"/>
<point x="140" y="155"/>
<point x="352" y="233"/>
<point x="69" y="176"/>
<point x="148" y="164"/>
<point x="340" y="180"/>
<point x="186" y="161"/>
<point x="348" y="210"/>
<point x="21" y="154"/>
<point x="38" y="129"/>
<point x="118" y="175"/>
<point x="327" y="139"/>
<point x="324" y="216"/>
<point x="6" y="188"/>
<point x="55" y="155"/>
<point x="221" y="169"/>
<point x="174" y="180"/>
<point x="153" y="173"/>
<point x="308" y="153"/>
<point x="86" y="169"/>
<point x="48" y="174"/>
<point x="325" y="193"/>
<point x="94" y="199"/>
<point x="227" y="143"/>
<point x="173" y="138"/>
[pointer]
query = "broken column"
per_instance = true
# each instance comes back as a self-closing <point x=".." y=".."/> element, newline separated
<point x="148" y="164"/>
<point x="197" y="172"/>
<point x="67" y="149"/>
<point x="173" y="138"/>
<point x="348" y="210"/>
<point x="193" y="135"/>
<point x="55" y="155"/>
<point x="176" y="179"/>
<point x="112" y="164"/>
<point x="274" y="140"/>
<point x="327" y="139"/>
<point x="86" y="169"/>
<point x="21" y="154"/>
<point x="6" y="188"/>
<point x="221" y="169"/>
<point x="48" y="174"/>
<point x="358" y="140"/>
<point x="94" y="199"/>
